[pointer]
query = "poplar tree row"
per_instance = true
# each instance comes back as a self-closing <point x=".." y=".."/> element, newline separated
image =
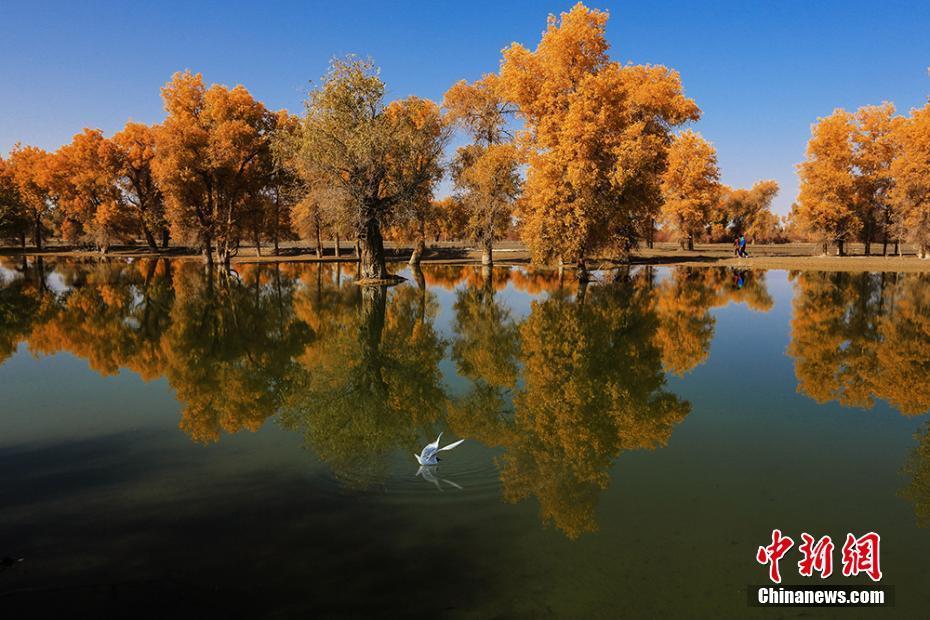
<point x="578" y="151"/>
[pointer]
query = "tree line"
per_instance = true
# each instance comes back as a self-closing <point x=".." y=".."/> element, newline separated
<point x="866" y="178"/>
<point x="577" y="151"/>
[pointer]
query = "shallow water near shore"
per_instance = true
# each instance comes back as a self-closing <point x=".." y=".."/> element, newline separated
<point x="175" y="439"/>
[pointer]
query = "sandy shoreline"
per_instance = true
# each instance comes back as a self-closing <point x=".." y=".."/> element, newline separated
<point x="792" y="256"/>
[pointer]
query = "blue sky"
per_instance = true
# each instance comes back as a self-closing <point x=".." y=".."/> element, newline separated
<point x="761" y="71"/>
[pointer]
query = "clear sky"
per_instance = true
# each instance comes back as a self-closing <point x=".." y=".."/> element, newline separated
<point x="762" y="71"/>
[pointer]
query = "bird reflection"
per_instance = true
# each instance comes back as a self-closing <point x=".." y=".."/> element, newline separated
<point x="429" y="473"/>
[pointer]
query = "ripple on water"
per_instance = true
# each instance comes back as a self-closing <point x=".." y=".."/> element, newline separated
<point x="474" y="472"/>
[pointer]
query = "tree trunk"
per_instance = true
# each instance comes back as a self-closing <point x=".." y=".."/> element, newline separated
<point x="897" y="247"/>
<point x="258" y="243"/>
<point x="319" y="241"/>
<point x="373" y="265"/>
<point x="358" y="249"/>
<point x="922" y="251"/>
<point x="208" y="248"/>
<point x="336" y="248"/>
<point x="149" y="237"/>
<point x="582" y="273"/>
<point x="418" y="246"/>
<point x="487" y="251"/>
<point x="691" y="243"/>
<point x="277" y="223"/>
<point x="37" y="233"/>
<point x="164" y="238"/>
<point x="826" y="249"/>
<point x="651" y="235"/>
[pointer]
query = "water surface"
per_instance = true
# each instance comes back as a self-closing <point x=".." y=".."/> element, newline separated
<point x="173" y="438"/>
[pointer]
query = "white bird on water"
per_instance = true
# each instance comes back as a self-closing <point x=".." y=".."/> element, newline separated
<point x="428" y="455"/>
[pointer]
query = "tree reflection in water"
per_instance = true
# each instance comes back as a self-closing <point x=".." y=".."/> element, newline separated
<point x="561" y="392"/>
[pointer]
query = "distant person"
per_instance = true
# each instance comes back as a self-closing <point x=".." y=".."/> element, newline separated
<point x="742" y="247"/>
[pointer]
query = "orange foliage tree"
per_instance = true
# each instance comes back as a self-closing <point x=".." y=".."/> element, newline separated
<point x="875" y="144"/>
<point x="690" y="186"/>
<point x="485" y="172"/>
<point x="134" y="150"/>
<point x="14" y="219"/>
<point x="827" y="201"/>
<point x="30" y="172"/>
<point x="910" y="194"/>
<point x="89" y="199"/>
<point x="212" y="158"/>
<point x="596" y="137"/>
<point x="746" y="212"/>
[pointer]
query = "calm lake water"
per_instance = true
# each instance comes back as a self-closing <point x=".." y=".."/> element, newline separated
<point x="172" y="439"/>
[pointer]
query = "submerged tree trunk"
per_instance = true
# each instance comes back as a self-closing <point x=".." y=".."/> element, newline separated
<point x="372" y="260"/>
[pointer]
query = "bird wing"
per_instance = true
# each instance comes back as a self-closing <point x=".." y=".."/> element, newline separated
<point x="451" y="445"/>
<point x="434" y="445"/>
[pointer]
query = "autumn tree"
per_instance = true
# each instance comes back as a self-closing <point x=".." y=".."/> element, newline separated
<point x="827" y="200"/>
<point x="14" y="220"/>
<point x="30" y="171"/>
<point x="133" y="152"/>
<point x="381" y="156"/>
<point x="89" y="199"/>
<point x="213" y="154"/>
<point x="875" y="147"/>
<point x="910" y="195"/>
<point x="451" y="217"/>
<point x="746" y="212"/>
<point x="690" y="186"/>
<point x="485" y="171"/>
<point x="596" y="137"/>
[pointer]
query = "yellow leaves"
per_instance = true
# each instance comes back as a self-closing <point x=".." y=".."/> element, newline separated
<point x="910" y="169"/>
<point x="826" y="203"/>
<point x="597" y="133"/>
<point x="690" y="184"/>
